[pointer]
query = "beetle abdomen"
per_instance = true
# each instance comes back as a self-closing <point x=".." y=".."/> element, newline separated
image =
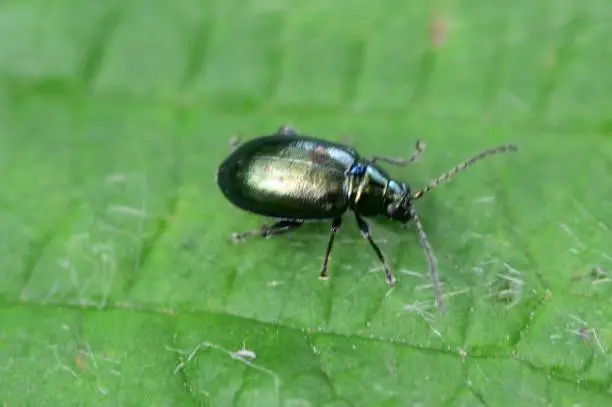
<point x="287" y="177"/>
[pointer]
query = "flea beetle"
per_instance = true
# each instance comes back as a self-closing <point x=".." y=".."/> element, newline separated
<point x="295" y="179"/>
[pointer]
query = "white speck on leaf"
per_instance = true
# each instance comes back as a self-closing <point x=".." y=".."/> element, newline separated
<point x="244" y="353"/>
<point x="584" y="332"/>
<point x="422" y="308"/>
<point x="485" y="199"/>
<point x="573" y="235"/>
<point x="275" y="283"/>
<point x="127" y="210"/>
<point x="101" y="260"/>
<point x="512" y="287"/>
<point x="91" y="356"/>
<point x="463" y="354"/>
<point x="411" y="273"/>
<point x="233" y="355"/>
<point x="428" y="286"/>
<point x="602" y="281"/>
<point x="121" y="178"/>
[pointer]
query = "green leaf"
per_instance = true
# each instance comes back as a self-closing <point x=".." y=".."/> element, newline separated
<point x="119" y="283"/>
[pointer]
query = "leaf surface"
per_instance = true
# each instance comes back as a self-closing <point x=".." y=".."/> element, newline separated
<point x="120" y="286"/>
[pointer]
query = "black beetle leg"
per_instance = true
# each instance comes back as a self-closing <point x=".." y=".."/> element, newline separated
<point x="418" y="149"/>
<point x="332" y="234"/>
<point x="278" y="228"/>
<point x="365" y="232"/>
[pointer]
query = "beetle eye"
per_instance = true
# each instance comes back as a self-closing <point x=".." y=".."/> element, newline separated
<point x="391" y="209"/>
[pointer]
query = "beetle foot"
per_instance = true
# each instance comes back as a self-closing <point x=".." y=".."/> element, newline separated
<point x="390" y="277"/>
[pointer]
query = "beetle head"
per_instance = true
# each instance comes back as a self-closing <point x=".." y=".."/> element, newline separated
<point x="400" y="206"/>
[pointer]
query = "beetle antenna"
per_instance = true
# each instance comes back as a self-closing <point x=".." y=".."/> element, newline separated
<point x="462" y="167"/>
<point x="431" y="259"/>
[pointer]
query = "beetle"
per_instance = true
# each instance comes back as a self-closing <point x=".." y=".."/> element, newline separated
<point x="295" y="179"/>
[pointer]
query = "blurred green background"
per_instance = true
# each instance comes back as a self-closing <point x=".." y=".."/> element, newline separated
<point x="119" y="285"/>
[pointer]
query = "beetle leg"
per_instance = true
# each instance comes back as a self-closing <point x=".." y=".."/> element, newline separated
<point x="418" y="149"/>
<point x="332" y="234"/>
<point x="266" y="231"/>
<point x="361" y="186"/>
<point x="365" y="232"/>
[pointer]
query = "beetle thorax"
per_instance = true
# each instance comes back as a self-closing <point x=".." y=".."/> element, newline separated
<point x="372" y="191"/>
